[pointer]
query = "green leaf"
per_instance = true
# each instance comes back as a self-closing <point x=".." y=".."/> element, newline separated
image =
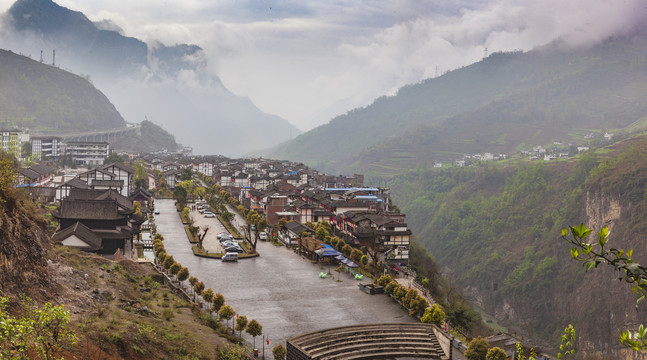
<point x="575" y="253"/>
<point x="589" y="265"/>
<point x="603" y="235"/>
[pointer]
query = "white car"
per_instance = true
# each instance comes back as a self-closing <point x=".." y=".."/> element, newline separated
<point x="224" y="234"/>
<point x="262" y="236"/>
<point x="209" y="215"/>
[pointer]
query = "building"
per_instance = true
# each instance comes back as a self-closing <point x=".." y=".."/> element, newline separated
<point x="12" y="142"/>
<point x="46" y="147"/>
<point x="87" y="153"/>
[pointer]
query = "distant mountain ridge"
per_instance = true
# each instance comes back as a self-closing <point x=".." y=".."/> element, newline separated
<point x="46" y="99"/>
<point x="170" y="85"/>
<point x="503" y="103"/>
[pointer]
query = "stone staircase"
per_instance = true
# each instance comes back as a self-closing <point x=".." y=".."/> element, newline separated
<point x="374" y="341"/>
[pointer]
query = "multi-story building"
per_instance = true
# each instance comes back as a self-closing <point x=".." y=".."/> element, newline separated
<point x="12" y="142"/>
<point x="46" y="147"/>
<point x="87" y="152"/>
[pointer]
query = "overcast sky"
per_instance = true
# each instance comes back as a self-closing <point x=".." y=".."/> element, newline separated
<point x="308" y="61"/>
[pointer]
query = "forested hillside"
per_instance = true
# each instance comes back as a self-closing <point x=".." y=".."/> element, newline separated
<point x="152" y="138"/>
<point x="46" y="99"/>
<point x="504" y="103"/>
<point x="497" y="231"/>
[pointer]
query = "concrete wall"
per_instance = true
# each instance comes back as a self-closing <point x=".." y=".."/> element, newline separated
<point x="443" y="338"/>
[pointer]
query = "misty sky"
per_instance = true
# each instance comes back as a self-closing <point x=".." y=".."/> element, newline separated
<point x="308" y="61"/>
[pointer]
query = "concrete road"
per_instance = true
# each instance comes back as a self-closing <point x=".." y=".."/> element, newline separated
<point x="279" y="289"/>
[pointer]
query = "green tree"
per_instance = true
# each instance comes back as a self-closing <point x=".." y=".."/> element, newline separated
<point x="477" y="349"/>
<point x="180" y="195"/>
<point x="207" y="295"/>
<point x="113" y="158"/>
<point x="26" y="150"/>
<point x="183" y="274"/>
<point x="51" y="330"/>
<point x="218" y="302"/>
<point x="279" y="352"/>
<point x="321" y="233"/>
<point x="399" y="292"/>
<point x="175" y="269"/>
<point x="241" y="324"/>
<point x="140" y="176"/>
<point x="186" y="175"/>
<point x="595" y="253"/>
<point x="193" y="280"/>
<point x="168" y="262"/>
<point x="433" y="315"/>
<point x="226" y="312"/>
<point x="347" y="250"/>
<point x="567" y="347"/>
<point x="496" y="353"/>
<point x="198" y="288"/>
<point x="254" y="329"/>
<point x="384" y="280"/>
<point x="388" y="289"/>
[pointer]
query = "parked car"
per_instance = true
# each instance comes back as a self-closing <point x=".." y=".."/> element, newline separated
<point x="224" y="234"/>
<point x="156" y="212"/>
<point x="229" y="243"/>
<point x="209" y="215"/>
<point x="236" y="249"/>
<point x="253" y="227"/>
<point x="262" y="236"/>
<point x="230" y="256"/>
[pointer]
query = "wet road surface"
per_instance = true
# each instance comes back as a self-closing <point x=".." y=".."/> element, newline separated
<point x="280" y="289"/>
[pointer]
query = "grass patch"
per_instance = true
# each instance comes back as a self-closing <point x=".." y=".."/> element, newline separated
<point x="230" y="228"/>
<point x="189" y="235"/>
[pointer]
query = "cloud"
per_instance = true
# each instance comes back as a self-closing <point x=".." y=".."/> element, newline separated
<point x="309" y="60"/>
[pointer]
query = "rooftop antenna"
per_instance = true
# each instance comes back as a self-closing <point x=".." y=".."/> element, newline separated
<point x="54" y="57"/>
<point x="41" y="56"/>
<point x="485" y="52"/>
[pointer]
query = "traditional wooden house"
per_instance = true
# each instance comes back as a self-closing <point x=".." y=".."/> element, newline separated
<point x="106" y="214"/>
<point x="292" y="232"/>
<point x="103" y="218"/>
<point x="124" y="173"/>
<point x="63" y="190"/>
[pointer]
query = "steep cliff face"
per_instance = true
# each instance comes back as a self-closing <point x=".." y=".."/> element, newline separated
<point x="23" y="247"/>
<point x="602" y="210"/>
<point x="604" y="306"/>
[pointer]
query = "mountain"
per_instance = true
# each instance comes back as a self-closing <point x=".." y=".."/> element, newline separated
<point x="505" y="103"/>
<point x="45" y="99"/>
<point x="496" y="231"/>
<point x="48" y="100"/>
<point x="170" y="85"/>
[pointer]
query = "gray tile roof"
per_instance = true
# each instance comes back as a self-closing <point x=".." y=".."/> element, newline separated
<point x="82" y="232"/>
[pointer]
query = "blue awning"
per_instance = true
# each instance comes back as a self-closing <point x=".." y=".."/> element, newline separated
<point x="327" y="252"/>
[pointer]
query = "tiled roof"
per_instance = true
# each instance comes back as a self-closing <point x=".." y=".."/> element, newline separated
<point x="117" y="183"/>
<point x="121" y="166"/>
<point x="298" y="228"/>
<point x="29" y="173"/>
<point x="82" y="232"/>
<point x="88" y="209"/>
